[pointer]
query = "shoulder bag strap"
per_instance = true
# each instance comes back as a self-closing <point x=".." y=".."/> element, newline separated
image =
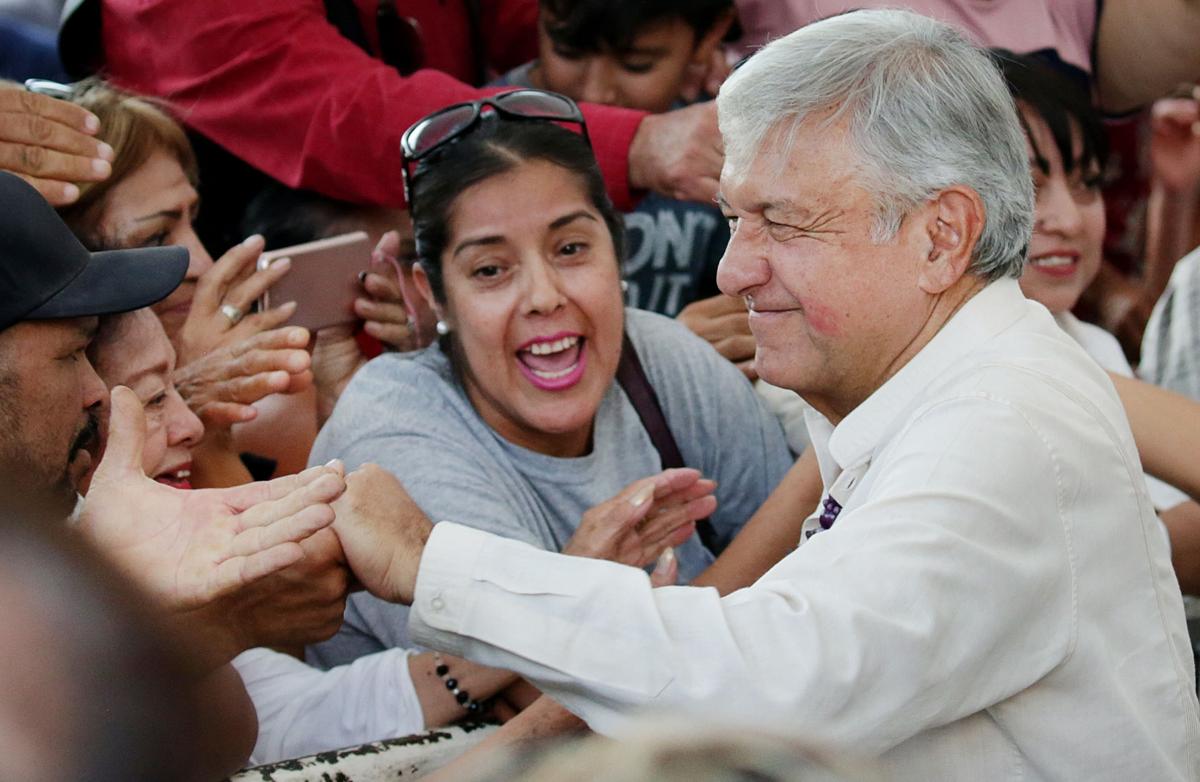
<point x="633" y="380"/>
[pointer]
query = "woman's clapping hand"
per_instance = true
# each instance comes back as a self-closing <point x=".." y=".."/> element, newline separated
<point x="650" y="516"/>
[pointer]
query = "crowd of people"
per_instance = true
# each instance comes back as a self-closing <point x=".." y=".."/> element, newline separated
<point x="767" y="368"/>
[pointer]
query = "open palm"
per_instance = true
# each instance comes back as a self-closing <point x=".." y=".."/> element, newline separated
<point x="188" y="548"/>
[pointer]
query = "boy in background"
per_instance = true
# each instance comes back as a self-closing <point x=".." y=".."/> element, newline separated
<point x="641" y="54"/>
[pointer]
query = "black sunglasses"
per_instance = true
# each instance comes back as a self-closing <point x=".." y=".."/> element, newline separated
<point x="444" y="126"/>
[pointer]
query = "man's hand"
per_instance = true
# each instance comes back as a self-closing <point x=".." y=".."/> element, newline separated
<point x="646" y="518"/>
<point x="383" y="533"/>
<point x="232" y="281"/>
<point x="678" y="154"/>
<point x="191" y="547"/>
<point x="50" y="143"/>
<point x="222" y="387"/>
<point x="725" y="324"/>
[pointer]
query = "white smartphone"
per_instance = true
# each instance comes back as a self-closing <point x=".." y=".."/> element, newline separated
<point x="323" y="280"/>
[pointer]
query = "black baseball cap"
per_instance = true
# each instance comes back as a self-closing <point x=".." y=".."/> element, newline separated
<point x="45" y="272"/>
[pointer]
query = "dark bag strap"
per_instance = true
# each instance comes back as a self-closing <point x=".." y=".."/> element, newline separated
<point x="633" y="380"/>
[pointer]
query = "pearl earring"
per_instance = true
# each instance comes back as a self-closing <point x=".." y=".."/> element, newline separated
<point x="442" y="328"/>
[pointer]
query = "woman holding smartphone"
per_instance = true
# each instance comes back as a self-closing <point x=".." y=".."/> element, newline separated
<point x="229" y="356"/>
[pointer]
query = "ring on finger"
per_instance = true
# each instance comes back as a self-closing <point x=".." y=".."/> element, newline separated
<point x="233" y="314"/>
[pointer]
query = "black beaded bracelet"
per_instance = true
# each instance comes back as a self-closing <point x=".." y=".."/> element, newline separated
<point x="473" y="707"/>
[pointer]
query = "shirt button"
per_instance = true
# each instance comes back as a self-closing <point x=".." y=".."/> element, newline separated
<point x="437" y="604"/>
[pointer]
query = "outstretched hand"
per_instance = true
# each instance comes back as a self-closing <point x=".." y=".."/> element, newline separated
<point x="382" y="532"/>
<point x="188" y="548"/>
<point x="648" y="517"/>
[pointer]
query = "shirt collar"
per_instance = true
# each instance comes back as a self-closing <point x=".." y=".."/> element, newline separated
<point x="986" y="314"/>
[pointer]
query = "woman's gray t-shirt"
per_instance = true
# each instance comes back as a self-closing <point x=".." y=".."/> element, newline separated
<point x="408" y="413"/>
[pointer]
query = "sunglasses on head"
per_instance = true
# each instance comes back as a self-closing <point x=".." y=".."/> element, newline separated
<point x="444" y="126"/>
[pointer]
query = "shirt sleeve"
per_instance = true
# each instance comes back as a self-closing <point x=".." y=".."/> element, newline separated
<point x="304" y="710"/>
<point x="945" y="591"/>
<point x="274" y="83"/>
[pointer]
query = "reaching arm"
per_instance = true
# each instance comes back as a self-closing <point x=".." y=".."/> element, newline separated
<point x="1144" y="48"/>
<point x="277" y="85"/>
<point x="771" y="533"/>
<point x="1166" y="428"/>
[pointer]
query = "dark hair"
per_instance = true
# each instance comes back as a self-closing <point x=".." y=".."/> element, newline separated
<point x="589" y="25"/>
<point x="495" y="147"/>
<point x="285" y="216"/>
<point x="1062" y="103"/>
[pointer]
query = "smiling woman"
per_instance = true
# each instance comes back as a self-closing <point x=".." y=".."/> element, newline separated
<point x="515" y="420"/>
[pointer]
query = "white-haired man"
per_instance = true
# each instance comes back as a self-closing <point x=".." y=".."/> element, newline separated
<point x="983" y="592"/>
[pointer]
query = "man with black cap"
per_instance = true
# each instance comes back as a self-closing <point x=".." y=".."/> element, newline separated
<point x="52" y="292"/>
<point x="50" y="397"/>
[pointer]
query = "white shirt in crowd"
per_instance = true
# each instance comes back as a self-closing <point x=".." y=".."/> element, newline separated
<point x="1171" y="346"/>
<point x="994" y="600"/>
<point x="303" y="710"/>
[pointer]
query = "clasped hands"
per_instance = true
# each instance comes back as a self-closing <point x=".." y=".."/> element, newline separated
<point x="227" y="553"/>
<point x="383" y="532"/>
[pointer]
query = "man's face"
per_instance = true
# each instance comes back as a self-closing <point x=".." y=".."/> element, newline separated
<point x="831" y="310"/>
<point x="50" y="408"/>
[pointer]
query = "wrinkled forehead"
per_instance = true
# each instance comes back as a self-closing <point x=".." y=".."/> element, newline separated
<point x="796" y="160"/>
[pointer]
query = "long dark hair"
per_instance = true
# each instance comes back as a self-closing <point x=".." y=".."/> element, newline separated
<point x="498" y="145"/>
<point x="1061" y="102"/>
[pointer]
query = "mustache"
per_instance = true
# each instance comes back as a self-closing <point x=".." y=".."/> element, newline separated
<point x="89" y="435"/>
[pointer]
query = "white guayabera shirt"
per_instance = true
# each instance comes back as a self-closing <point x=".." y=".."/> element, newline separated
<point x="993" y="600"/>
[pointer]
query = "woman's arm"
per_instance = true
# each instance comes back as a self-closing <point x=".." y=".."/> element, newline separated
<point x="772" y="531"/>
<point x="1166" y="429"/>
<point x="543" y="720"/>
<point x="1144" y="48"/>
<point x="438" y="703"/>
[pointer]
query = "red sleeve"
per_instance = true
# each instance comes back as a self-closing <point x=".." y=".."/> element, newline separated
<point x="275" y="84"/>
<point x="510" y="32"/>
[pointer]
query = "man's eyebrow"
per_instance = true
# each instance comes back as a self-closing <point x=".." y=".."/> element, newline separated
<point x="722" y="204"/>
<point x="88" y="328"/>
<point x="787" y="207"/>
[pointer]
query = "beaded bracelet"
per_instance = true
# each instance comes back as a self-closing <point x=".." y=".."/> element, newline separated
<point x="473" y="707"/>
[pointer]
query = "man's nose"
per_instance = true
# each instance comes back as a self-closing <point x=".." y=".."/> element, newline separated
<point x="94" y="392"/>
<point x="744" y="265"/>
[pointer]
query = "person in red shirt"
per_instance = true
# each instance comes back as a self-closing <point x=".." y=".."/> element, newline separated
<point x="277" y="84"/>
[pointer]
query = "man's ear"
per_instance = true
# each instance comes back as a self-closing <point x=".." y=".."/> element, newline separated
<point x="954" y="223"/>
